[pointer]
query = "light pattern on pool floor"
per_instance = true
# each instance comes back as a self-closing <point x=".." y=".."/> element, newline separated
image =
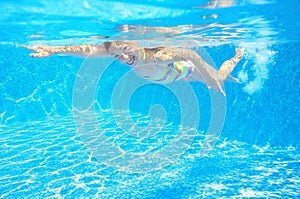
<point x="48" y="160"/>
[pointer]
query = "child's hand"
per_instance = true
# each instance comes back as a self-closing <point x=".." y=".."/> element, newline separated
<point x="42" y="51"/>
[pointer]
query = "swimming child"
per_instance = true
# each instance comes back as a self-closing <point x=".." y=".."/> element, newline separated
<point x="161" y="64"/>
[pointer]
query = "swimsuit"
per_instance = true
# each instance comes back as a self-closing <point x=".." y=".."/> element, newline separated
<point x="171" y="74"/>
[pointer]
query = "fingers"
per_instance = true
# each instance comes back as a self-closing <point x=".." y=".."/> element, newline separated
<point x="41" y="51"/>
<point x="39" y="55"/>
<point x="27" y="47"/>
<point x="34" y="48"/>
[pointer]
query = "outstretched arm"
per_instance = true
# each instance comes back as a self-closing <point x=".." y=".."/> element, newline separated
<point x="85" y="50"/>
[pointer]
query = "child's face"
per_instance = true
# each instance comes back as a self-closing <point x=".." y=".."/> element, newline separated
<point x="126" y="58"/>
<point x="125" y="53"/>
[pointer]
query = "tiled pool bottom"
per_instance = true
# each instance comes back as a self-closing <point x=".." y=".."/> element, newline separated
<point x="48" y="160"/>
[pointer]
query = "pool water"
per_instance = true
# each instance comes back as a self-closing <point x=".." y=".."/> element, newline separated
<point x="48" y="160"/>
<point x="72" y="127"/>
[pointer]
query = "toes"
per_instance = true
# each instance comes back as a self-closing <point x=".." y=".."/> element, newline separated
<point x="239" y="52"/>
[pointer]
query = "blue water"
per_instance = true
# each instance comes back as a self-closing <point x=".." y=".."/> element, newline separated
<point x="140" y="139"/>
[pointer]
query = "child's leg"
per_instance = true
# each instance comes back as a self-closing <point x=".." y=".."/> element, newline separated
<point x="228" y="66"/>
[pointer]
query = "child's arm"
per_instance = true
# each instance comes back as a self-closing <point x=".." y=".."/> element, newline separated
<point x="85" y="50"/>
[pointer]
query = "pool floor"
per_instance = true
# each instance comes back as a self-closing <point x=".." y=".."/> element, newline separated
<point x="47" y="159"/>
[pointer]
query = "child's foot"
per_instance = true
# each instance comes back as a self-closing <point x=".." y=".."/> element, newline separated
<point x="239" y="52"/>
